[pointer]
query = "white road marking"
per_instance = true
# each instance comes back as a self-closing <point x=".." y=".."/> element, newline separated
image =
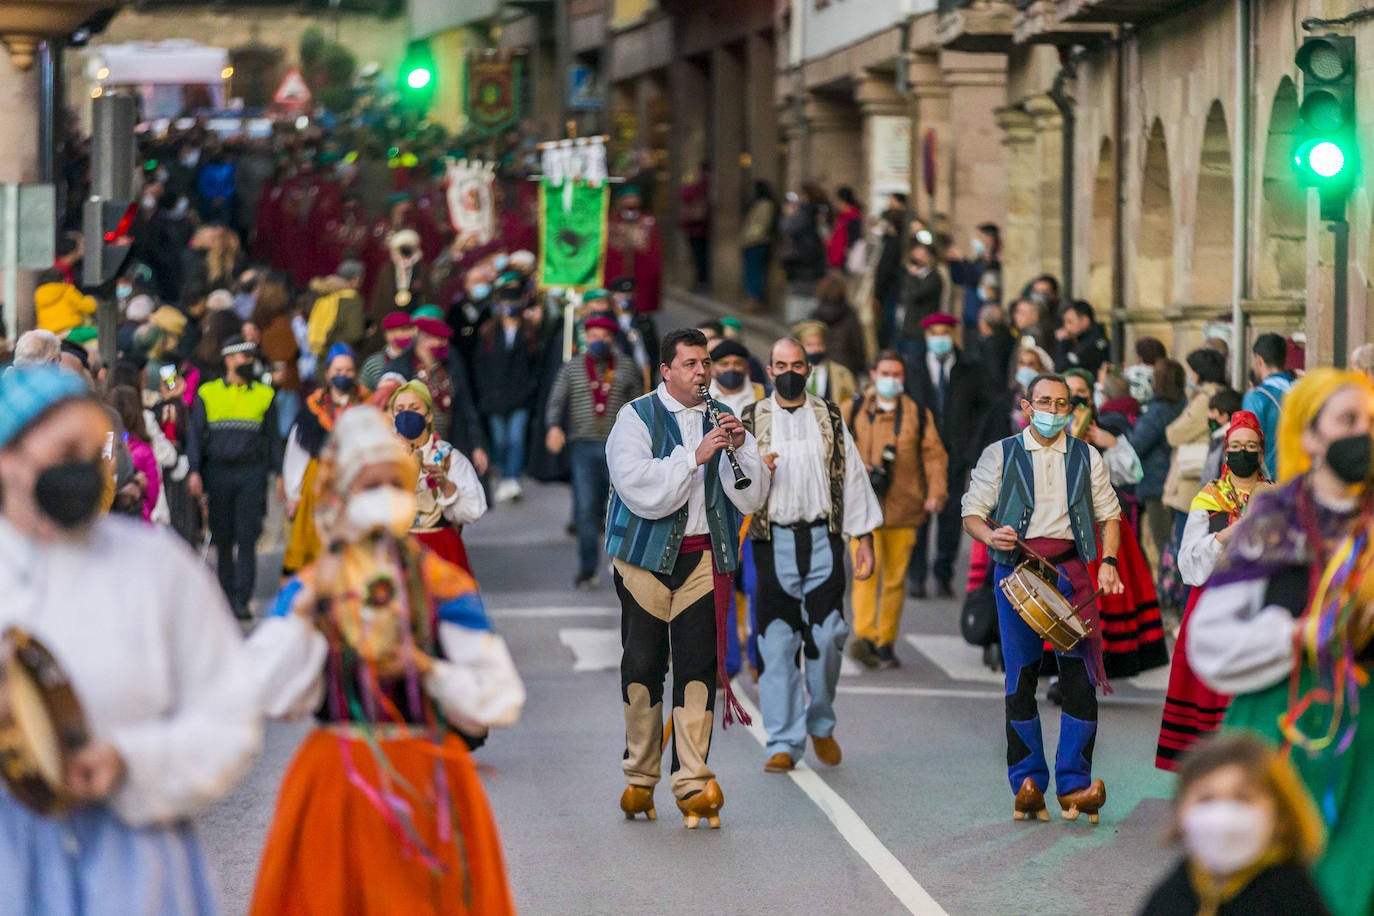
<point x="593" y="648"/>
<point x="535" y="613"/>
<point x="955" y="693"/>
<point x="849" y="667"/>
<point x="962" y="662"/>
<point x="1154" y="679"/>
<point x="856" y="833"/>
<point x="956" y="658"/>
<point x="553" y="597"/>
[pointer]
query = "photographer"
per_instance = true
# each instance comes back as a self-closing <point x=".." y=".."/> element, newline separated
<point x="907" y="467"/>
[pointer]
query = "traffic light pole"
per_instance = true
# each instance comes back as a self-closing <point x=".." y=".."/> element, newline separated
<point x="1340" y="317"/>
<point x="112" y="179"/>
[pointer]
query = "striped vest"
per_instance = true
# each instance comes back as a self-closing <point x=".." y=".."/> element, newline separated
<point x="653" y="544"/>
<point x="1016" y="501"/>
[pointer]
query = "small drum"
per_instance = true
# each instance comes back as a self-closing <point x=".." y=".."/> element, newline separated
<point x="367" y="605"/>
<point x="41" y="723"/>
<point x="1043" y="608"/>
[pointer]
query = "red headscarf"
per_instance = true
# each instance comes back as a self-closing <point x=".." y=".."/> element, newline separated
<point x="1244" y="419"/>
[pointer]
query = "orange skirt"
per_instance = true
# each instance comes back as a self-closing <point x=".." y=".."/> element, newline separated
<point x="331" y="853"/>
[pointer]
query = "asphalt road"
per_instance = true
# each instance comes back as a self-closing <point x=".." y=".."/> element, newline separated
<point x="922" y="789"/>
<point x="915" y="819"/>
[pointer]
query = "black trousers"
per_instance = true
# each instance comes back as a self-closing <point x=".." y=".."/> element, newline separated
<point x="237" y="496"/>
<point x="701" y="258"/>
<point x="949" y="526"/>
<point x="663" y="617"/>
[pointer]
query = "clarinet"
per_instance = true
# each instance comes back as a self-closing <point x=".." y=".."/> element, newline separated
<point x="742" y="481"/>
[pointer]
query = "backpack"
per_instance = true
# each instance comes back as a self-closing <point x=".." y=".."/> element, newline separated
<point x="978" y="618"/>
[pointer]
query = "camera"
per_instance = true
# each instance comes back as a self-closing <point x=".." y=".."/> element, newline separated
<point x="880" y="478"/>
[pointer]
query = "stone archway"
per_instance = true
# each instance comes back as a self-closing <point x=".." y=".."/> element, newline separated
<point x="1102" y="243"/>
<point x="1213" y="238"/>
<point x="1281" y="267"/>
<point x="1154" y="257"/>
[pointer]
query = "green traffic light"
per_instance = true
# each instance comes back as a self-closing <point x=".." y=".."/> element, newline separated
<point x="419" y="78"/>
<point x="1323" y="159"/>
<point x="1327" y="159"/>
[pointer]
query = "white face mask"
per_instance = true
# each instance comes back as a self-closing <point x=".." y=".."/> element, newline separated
<point x="382" y="509"/>
<point x="1224" y="837"/>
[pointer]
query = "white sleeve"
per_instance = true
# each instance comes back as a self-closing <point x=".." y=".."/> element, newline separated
<point x="1105" y="504"/>
<point x="185" y="760"/>
<point x="476" y="685"/>
<point x="651" y="488"/>
<point x="862" y="513"/>
<point x="293" y="464"/>
<point x="1235" y="643"/>
<point x="984" y="485"/>
<point x="1123" y="464"/>
<point x="289" y="658"/>
<point x="752" y="498"/>
<point x="469" y="501"/>
<point x="163" y="449"/>
<point x="1199" y="550"/>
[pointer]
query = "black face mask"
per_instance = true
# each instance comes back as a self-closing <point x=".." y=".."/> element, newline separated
<point x="1348" y="458"/>
<point x="1243" y="464"/>
<point x="1079" y="401"/>
<point x="730" y="379"/>
<point x="816" y="359"/>
<point x="69" y="494"/>
<point x="245" y="372"/>
<point x="790" y="385"/>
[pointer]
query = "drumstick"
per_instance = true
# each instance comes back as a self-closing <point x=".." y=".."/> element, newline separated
<point x="1022" y="545"/>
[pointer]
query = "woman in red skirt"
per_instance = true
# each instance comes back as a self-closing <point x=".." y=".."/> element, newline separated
<point x="448" y="494"/>
<point x="1192" y="710"/>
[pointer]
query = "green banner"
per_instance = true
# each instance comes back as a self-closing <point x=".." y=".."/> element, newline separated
<point x="572" y="233"/>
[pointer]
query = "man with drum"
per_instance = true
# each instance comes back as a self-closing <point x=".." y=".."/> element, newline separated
<point x="1045" y="493"/>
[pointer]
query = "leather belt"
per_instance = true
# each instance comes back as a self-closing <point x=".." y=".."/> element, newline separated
<point x="801" y="526"/>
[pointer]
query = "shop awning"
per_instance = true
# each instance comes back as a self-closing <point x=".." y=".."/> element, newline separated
<point x="142" y="62"/>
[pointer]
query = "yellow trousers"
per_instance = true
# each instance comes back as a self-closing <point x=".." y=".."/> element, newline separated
<point x="878" y="599"/>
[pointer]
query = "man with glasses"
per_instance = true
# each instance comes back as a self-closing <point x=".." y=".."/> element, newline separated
<point x="1049" y="492"/>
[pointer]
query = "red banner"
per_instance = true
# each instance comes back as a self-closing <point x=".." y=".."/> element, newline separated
<point x="492" y="97"/>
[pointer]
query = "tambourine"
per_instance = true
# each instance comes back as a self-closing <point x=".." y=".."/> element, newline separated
<point x="41" y="723"/>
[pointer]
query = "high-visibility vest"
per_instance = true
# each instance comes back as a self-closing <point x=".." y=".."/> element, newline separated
<point x="235" y="406"/>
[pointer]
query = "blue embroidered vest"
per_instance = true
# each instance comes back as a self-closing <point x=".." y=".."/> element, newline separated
<point x="653" y="543"/>
<point x="1016" y="501"/>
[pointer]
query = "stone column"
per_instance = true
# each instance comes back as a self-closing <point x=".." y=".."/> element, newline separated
<point x="763" y="115"/>
<point x="794" y="135"/>
<point x="1048" y="127"/>
<point x="19" y="163"/>
<point x="932" y="106"/>
<point x="977" y="87"/>
<point x="877" y="97"/>
<point x="687" y="88"/>
<point x="1021" y="255"/>
<point x="836" y="139"/>
<point x="727" y="177"/>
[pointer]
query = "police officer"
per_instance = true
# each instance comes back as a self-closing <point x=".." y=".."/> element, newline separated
<point x="232" y="448"/>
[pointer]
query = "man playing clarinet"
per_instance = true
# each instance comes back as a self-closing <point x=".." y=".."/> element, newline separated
<point x="1047" y="491"/>
<point x="673" y="533"/>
